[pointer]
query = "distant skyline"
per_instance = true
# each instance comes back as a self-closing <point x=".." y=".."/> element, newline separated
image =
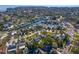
<point x="4" y="7"/>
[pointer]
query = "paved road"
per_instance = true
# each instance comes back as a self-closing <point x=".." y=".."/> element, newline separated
<point x="70" y="31"/>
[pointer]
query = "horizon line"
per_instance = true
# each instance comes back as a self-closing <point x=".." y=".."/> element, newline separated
<point x="4" y="7"/>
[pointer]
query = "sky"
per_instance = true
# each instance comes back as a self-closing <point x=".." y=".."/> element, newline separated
<point x="39" y="2"/>
<point x="15" y="3"/>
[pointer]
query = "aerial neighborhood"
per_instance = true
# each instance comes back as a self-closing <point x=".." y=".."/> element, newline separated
<point x="39" y="30"/>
